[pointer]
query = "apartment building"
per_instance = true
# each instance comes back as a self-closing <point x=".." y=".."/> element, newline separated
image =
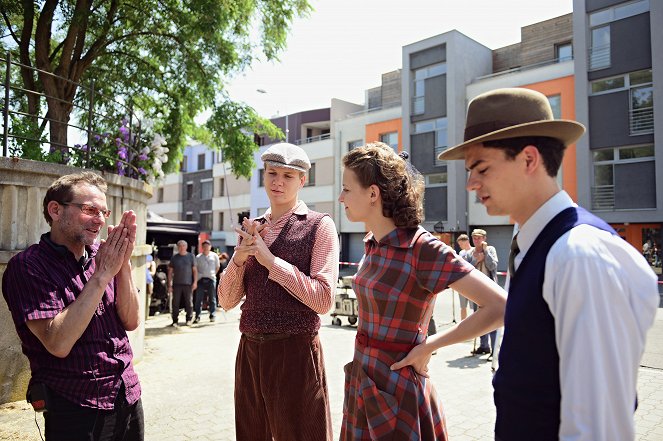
<point x="619" y="97"/>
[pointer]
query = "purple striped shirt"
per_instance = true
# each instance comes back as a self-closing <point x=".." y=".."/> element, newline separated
<point x="39" y="283"/>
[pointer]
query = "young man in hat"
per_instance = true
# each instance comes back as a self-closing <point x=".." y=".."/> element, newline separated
<point x="581" y="299"/>
<point x="286" y="264"/>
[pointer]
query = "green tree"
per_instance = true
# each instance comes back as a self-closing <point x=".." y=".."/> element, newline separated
<point x="169" y="59"/>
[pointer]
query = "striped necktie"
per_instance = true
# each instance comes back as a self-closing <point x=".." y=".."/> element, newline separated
<point x="512" y="255"/>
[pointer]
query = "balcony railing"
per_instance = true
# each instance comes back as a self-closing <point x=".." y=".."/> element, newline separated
<point x="599" y="57"/>
<point x="641" y="121"/>
<point x="603" y="197"/>
<point x="313" y="139"/>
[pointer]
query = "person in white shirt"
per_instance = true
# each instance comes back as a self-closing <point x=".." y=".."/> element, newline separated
<point x="207" y="264"/>
<point x="581" y="299"/>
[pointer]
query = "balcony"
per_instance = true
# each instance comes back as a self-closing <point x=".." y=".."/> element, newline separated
<point x="641" y="121"/>
<point x="313" y="139"/>
<point x="599" y="57"/>
<point x="603" y="197"/>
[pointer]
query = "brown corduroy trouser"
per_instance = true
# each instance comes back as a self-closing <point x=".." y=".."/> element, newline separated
<point x="281" y="390"/>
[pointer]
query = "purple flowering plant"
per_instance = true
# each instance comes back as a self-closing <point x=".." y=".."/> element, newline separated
<point x="136" y="153"/>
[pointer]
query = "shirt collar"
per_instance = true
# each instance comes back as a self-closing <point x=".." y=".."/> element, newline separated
<point x="398" y="237"/>
<point x="63" y="251"/>
<point x="300" y="209"/>
<point x="529" y="231"/>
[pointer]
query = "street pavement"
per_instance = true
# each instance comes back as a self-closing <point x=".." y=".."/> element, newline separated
<point x="187" y="376"/>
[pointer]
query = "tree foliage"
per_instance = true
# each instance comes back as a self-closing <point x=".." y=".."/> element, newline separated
<point x="166" y="59"/>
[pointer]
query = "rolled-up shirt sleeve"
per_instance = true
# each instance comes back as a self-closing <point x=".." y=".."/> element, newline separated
<point x="231" y="286"/>
<point x="317" y="290"/>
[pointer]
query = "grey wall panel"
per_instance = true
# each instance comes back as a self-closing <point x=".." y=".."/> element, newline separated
<point x="594" y="5"/>
<point x="635" y="185"/>
<point x="432" y="55"/>
<point x="423" y="153"/>
<point x="609" y="122"/>
<point x="435" y="204"/>
<point x="630" y="47"/>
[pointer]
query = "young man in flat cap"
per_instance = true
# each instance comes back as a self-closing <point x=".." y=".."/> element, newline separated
<point x="286" y="264"/>
<point x="581" y="299"/>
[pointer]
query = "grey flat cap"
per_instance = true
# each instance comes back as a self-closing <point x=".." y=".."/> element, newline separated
<point x="286" y="155"/>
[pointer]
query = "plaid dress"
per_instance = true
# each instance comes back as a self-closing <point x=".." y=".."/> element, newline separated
<point x="396" y="284"/>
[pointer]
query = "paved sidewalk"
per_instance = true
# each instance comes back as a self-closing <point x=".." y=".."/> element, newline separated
<point x="187" y="376"/>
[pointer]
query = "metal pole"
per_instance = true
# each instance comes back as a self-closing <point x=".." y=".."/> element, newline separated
<point x="5" y="110"/>
<point x="90" y="114"/>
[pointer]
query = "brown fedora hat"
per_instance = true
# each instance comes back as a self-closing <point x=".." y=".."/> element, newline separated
<point x="512" y="113"/>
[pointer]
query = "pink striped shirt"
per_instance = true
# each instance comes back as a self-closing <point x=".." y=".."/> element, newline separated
<point x="316" y="292"/>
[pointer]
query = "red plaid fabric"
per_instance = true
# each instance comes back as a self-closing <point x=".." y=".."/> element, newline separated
<point x="396" y="284"/>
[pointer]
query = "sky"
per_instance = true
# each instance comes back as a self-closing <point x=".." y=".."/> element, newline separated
<point x="344" y="46"/>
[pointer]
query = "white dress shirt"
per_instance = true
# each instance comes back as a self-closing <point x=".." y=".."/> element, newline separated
<point x="603" y="296"/>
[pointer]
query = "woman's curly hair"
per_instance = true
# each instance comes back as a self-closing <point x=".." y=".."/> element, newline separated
<point x="401" y="185"/>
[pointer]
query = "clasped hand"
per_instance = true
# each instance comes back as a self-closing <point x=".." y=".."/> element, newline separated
<point x="251" y="243"/>
<point x="114" y="252"/>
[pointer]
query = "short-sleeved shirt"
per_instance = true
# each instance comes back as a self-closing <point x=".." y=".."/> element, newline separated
<point x="396" y="284"/>
<point x="38" y="284"/>
<point x="207" y="265"/>
<point x="182" y="266"/>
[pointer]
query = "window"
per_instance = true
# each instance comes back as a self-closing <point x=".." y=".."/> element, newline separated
<point x="222" y="221"/>
<point x="206" y="189"/>
<point x="201" y="162"/>
<point x="310" y="179"/>
<point x="599" y="23"/>
<point x="419" y="85"/>
<point x="183" y="167"/>
<point x="556" y="105"/>
<point x="206" y="221"/>
<point x="189" y="191"/>
<point x="222" y="187"/>
<point x="188" y="216"/>
<point x="261" y="177"/>
<point x="160" y="194"/>
<point x="391" y="139"/>
<point x="641" y="97"/>
<point x="355" y="144"/>
<point x="241" y="215"/>
<point x="599" y="51"/>
<point x="622" y="178"/>
<point x="564" y="52"/>
<point x="436" y="180"/>
<point x="439" y="126"/>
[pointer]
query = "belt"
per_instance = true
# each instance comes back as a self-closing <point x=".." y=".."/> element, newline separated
<point x="367" y="342"/>
<point x="206" y="279"/>
<point x="266" y="337"/>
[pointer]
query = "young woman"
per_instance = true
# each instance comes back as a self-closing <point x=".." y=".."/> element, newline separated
<point x="388" y="394"/>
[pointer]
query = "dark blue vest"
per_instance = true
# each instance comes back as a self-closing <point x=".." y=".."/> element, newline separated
<point x="527" y="391"/>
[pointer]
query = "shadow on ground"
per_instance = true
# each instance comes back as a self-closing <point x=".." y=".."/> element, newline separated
<point x="469" y="362"/>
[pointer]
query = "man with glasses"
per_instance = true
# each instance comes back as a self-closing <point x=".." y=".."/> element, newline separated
<point x="73" y="300"/>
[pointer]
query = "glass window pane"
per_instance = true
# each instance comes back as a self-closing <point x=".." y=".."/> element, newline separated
<point x="418" y="106"/>
<point x="607" y="84"/>
<point x="419" y="89"/>
<point x="437" y="178"/>
<point x="642" y="97"/>
<point x="601" y="37"/>
<point x="424" y="126"/>
<point x="600" y="17"/>
<point x="437" y="69"/>
<point x="441" y="138"/>
<point x="565" y="52"/>
<point x="556" y="105"/>
<point x="603" y="175"/>
<point x="637" y="152"/>
<point x="640" y="77"/>
<point x="604" y="155"/>
<point x="631" y="9"/>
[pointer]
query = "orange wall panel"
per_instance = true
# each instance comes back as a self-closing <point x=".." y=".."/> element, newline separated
<point x="373" y="131"/>
<point x="563" y="87"/>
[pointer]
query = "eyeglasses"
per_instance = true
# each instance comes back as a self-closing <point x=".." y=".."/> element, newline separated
<point x="88" y="209"/>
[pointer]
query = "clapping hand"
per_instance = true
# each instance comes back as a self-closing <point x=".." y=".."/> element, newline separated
<point x="114" y="252"/>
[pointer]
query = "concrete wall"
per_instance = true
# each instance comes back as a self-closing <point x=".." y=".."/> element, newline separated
<point x="23" y="185"/>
